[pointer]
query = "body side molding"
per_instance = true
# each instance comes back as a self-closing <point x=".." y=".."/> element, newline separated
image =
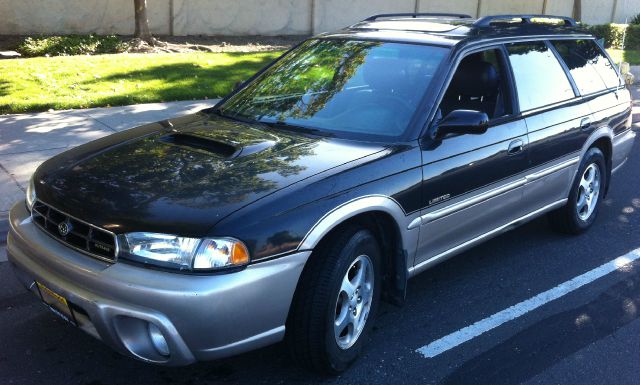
<point x="441" y="213"/>
<point x="413" y="271"/>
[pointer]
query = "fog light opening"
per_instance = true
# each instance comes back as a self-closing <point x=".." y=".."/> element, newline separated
<point x="158" y="340"/>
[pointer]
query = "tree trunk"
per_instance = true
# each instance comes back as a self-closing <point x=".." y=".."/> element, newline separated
<point x="142" y="23"/>
<point x="577" y="10"/>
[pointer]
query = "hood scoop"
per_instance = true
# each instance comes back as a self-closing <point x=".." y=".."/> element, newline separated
<point x="199" y="143"/>
<point x="212" y="146"/>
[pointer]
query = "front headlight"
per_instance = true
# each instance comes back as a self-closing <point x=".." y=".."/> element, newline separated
<point x="184" y="253"/>
<point x="31" y="193"/>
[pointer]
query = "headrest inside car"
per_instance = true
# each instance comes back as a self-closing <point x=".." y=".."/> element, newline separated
<point x="475" y="78"/>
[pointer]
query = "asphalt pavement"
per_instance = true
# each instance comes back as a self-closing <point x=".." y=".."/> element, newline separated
<point x="588" y="335"/>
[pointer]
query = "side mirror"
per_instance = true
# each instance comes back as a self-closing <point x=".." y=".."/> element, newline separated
<point x="463" y="122"/>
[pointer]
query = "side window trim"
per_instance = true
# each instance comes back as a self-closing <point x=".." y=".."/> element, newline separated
<point x="613" y="65"/>
<point x="549" y="106"/>
<point x="572" y="79"/>
<point x="513" y="87"/>
<point x="505" y="74"/>
<point x="565" y="68"/>
<point x="426" y="131"/>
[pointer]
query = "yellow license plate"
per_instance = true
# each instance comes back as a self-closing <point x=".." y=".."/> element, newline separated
<point x="57" y="303"/>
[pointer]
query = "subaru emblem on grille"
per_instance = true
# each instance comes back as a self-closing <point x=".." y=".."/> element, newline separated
<point x="64" y="228"/>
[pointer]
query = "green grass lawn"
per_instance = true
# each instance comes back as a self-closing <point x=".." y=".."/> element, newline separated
<point x="39" y="84"/>
<point x="630" y="56"/>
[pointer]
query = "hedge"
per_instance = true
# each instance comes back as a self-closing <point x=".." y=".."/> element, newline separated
<point x="613" y="33"/>
<point x="71" y="45"/>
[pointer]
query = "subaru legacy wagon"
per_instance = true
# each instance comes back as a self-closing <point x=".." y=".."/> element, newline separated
<point x="318" y="187"/>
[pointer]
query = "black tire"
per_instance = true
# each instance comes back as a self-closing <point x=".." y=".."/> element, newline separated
<point x="567" y="219"/>
<point x="310" y="326"/>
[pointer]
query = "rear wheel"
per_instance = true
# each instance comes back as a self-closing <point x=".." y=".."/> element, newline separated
<point x="336" y="300"/>
<point x="586" y="193"/>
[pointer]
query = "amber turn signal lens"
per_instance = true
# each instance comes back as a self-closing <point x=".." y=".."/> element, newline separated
<point x="215" y="253"/>
<point x="240" y="254"/>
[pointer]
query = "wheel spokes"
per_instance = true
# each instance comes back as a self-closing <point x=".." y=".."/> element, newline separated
<point x="342" y="322"/>
<point x="358" y="279"/>
<point x="588" y="175"/>
<point x="588" y="191"/>
<point x="348" y="287"/>
<point x="354" y="302"/>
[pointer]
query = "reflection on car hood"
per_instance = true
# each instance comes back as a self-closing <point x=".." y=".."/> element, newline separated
<point x="183" y="176"/>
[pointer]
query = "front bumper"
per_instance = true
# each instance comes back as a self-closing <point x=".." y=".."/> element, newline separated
<point x="202" y="317"/>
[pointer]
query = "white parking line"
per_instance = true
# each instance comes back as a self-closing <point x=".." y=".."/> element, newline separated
<point x="467" y="333"/>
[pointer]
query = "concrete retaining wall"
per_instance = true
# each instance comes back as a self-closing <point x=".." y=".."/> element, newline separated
<point x="264" y="17"/>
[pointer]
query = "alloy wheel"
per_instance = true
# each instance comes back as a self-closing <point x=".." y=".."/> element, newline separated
<point x="353" y="302"/>
<point x="588" y="191"/>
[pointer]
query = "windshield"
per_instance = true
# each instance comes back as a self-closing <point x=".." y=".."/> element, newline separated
<point x="342" y="87"/>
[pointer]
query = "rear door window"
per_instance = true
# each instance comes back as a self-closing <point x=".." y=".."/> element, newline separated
<point x="540" y="78"/>
<point x="590" y="68"/>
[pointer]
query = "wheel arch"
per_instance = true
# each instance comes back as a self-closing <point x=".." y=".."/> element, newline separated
<point x="386" y="218"/>
<point x="602" y="138"/>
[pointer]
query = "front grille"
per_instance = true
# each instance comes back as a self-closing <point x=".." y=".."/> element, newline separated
<point x="80" y="235"/>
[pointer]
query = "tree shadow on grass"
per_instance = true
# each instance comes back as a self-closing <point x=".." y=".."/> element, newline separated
<point x="180" y="81"/>
<point x="4" y="88"/>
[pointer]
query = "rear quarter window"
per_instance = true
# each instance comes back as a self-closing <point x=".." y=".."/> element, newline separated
<point x="590" y="68"/>
<point x="539" y="76"/>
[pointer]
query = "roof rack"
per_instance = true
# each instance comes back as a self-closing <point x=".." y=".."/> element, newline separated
<point x="417" y="15"/>
<point x="526" y="19"/>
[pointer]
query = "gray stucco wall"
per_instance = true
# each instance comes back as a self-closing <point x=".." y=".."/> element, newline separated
<point x="77" y="16"/>
<point x="264" y="17"/>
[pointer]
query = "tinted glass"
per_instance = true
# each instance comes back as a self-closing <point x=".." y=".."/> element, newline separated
<point x="478" y="85"/>
<point x="342" y="87"/>
<point x="540" y="79"/>
<point x="589" y="67"/>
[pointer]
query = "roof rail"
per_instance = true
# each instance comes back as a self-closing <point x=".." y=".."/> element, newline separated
<point x="526" y="19"/>
<point x="417" y="15"/>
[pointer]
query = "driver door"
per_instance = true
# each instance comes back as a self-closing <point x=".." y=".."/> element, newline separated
<point x="472" y="182"/>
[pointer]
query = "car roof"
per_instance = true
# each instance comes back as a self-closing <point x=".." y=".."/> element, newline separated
<point x="459" y="30"/>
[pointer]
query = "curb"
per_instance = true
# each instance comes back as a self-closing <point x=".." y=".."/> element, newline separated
<point x="635" y="71"/>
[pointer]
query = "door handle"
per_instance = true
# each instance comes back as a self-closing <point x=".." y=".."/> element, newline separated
<point x="585" y="123"/>
<point x="515" y="147"/>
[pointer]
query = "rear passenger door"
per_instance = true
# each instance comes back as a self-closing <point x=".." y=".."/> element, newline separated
<point x="558" y="122"/>
<point x="601" y="88"/>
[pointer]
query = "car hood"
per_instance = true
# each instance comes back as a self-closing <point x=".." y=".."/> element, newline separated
<point x="183" y="176"/>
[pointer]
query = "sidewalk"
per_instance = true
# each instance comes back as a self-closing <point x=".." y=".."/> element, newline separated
<point x="635" y="70"/>
<point x="26" y="140"/>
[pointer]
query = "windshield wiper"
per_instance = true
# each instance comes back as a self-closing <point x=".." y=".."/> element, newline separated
<point x="236" y="117"/>
<point x="273" y="124"/>
<point x="294" y="128"/>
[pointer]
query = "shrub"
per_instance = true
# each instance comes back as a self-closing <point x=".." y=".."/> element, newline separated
<point x="635" y="20"/>
<point x="632" y="40"/>
<point x="71" y="45"/>
<point x="611" y="33"/>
